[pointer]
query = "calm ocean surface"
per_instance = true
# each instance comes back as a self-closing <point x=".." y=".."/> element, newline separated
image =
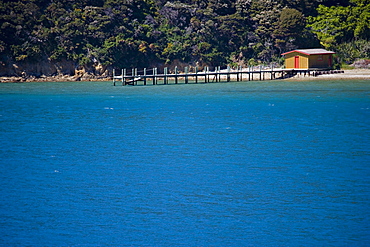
<point x="274" y="163"/>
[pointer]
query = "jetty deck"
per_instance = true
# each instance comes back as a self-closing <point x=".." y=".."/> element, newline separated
<point x="151" y="76"/>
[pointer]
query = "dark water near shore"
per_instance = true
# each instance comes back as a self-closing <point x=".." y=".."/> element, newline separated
<point x="276" y="163"/>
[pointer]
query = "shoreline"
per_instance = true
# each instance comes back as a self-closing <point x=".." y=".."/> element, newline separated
<point x="58" y="78"/>
<point x="353" y="74"/>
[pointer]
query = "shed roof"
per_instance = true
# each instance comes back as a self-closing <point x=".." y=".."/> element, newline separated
<point x="317" y="51"/>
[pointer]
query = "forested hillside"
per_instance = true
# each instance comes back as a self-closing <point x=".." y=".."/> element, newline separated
<point x="130" y="33"/>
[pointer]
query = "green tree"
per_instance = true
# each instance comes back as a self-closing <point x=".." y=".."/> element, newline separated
<point x="335" y="25"/>
<point x="264" y="16"/>
<point x="348" y="52"/>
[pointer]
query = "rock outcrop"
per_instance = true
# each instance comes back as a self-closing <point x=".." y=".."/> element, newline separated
<point x="46" y="70"/>
<point x="361" y="64"/>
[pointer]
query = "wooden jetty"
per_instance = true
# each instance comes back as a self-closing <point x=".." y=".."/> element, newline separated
<point x="133" y="76"/>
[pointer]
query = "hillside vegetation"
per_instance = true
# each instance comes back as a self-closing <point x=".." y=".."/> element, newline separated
<point x="95" y="34"/>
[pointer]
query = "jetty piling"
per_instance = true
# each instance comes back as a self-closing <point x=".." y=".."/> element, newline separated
<point x="176" y="72"/>
<point x="165" y="75"/>
<point x="123" y="72"/>
<point x="144" y="77"/>
<point x="196" y="74"/>
<point x="186" y="75"/>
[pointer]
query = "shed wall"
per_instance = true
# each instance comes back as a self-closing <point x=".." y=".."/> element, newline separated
<point x="320" y="61"/>
<point x="307" y="61"/>
<point x="290" y="60"/>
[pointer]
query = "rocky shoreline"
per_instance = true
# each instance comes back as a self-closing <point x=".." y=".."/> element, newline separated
<point x="48" y="71"/>
<point x="59" y="78"/>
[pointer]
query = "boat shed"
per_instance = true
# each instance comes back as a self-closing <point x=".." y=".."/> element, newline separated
<point x="308" y="59"/>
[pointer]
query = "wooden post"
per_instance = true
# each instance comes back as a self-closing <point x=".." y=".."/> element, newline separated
<point x="165" y="75"/>
<point x="176" y="72"/>
<point x="260" y="72"/>
<point x="144" y="76"/>
<point x="196" y="74"/>
<point x="228" y="73"/>
<point x="156" y="76"/>
<point x="219" y="73"/>
<point x="123" y="74"/>
<point x="153" y="76"/>
<point x="215" y="78"/>
<point x="135" y="76"/>
<point x="205" y="77"/>
<point x="124" y="77"/>
<point x="186" y="75"/>
<point x="241" y="73"/>
<point x="272" y="71"/>
<point x="206" y="74"/>
<point x="114" y="83"/>
<point x="216" y="74"/>
<point x="237" y="74"/>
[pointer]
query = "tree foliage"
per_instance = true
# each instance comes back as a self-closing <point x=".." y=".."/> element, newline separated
<point x="126" y="33"/>
<point x="339" y="24"/>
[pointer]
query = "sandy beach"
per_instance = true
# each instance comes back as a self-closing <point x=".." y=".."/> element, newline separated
<point x="347" y="75"/>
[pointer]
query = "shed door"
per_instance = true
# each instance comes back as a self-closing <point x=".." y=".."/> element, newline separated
<point x="296" y="62"/>
<point x="330" y="61"/>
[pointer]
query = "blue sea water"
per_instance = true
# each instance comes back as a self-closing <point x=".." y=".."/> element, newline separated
<point x="271" y="163"/>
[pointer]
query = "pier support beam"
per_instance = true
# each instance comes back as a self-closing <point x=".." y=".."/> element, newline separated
<point x="196" y="74"/>
<point x="114" y="72"/>
<point x="241" y="73"/>
<point x="176" y="72"/>
<point x="205" y="74"/>
<point x="237" y="74"/>
<point x="144" y="77"/>
<point x="123" y="73"/>
<point x="228" y="73"/>
<point x="154" y="76"/>
<point x="260" y="72"/>
<point x="219" y="73"/>
<point x="165" y="70"/>
<point x="186" y="75"/>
